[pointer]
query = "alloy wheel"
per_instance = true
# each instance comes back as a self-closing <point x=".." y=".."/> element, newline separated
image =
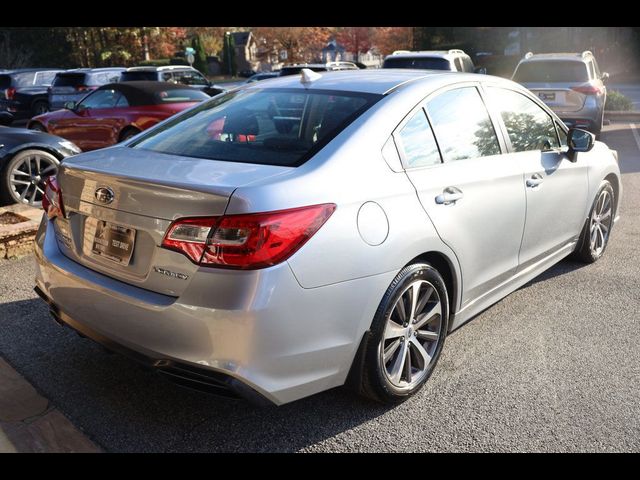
<point x="600" y="225"/>
<point x="27" y="178"/>
<point x="411" y="335"/>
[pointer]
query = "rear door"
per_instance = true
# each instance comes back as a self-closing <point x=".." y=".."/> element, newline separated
<point x="556" y="188"/>
<point x="472" y="192"/>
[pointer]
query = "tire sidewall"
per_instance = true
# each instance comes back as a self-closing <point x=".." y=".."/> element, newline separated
<point x="586" y="241"/>
<point x="408" y="275"/>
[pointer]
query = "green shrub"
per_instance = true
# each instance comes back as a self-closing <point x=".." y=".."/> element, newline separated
<point x="617" y="102"/>
<point x="158" y="62"/>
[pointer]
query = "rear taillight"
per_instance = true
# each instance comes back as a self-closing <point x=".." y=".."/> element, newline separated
<point x="82" y="88"/>
<point x="52" y="198"/>
<point x="588" y="89"/>
<point x="10" y="93"/>
<point x="250" y="241"/>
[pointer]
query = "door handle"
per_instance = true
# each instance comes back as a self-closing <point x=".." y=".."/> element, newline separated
<point x="535" y="180"/>
<point x="449" y="196"/>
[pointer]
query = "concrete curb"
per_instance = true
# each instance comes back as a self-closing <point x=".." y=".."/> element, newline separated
<point x="18" y="227"/>
<point x="622" y="116"/>
<point x="28" y="423"/>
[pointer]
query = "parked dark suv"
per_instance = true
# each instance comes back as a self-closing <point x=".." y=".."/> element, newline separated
<point x="73" y="85"/>
<point x="171" y="73"/>
<point x="23" y="92"/>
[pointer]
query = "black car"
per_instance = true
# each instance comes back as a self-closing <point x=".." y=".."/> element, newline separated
<point x="73" y="85"/>
<point x="23" y="92"/>
<point x="27" y="158"/>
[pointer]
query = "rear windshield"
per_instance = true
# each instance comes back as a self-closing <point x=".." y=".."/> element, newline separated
<point x="69" y="80"/>
<point x="551" y="71"/>
<point x="265" y="126"/>
<point x="422" y="63"/>
<point x="19" y="79"/>
<point x="181" y="95"/>
<point x="138" y="76"/>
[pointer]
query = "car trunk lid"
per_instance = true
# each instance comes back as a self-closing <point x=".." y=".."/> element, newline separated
<point x="559" y="97"/>
<point x="120" y="202"/>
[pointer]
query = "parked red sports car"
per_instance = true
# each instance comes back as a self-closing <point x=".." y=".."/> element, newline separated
<point x="116" y="111"/>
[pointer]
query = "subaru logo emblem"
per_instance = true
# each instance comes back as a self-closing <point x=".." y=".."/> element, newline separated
<point x="104" y="195"/>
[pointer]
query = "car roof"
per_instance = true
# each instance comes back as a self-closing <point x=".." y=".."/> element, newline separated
<point x="93" y="70"/>
<point x="152" y="68"/>
<point x="27" y="70"/>
<point x="427" y="53"/>
<point x="376" y="81"/>
<point x="573" y="56"/>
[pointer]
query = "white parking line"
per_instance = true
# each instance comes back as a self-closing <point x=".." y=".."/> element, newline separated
<point x="636" y="135"/>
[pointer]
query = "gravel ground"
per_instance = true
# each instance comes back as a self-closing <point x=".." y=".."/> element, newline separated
<point x="555" y="366"/>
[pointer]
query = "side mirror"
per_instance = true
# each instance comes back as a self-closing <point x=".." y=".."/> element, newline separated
<point x="70" y="105"/>
<point x="579" y="141"/>
<point x="480" y="70"/>
<point x="605" y="76"/>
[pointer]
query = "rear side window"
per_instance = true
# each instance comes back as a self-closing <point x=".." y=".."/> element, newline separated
<point x="462" y="125"/>
<point x="273" y="126"/>
<point x="458" y="63"/>
<point x="69" y="80"/>
<point x="551" y="71"/>
<point x="468" y="64"/>
<point x="422" y="63"/>
<point x="528" y="125"/>
<point x="45" y="78"/>
<point x="181" y="95"/>
<point x="418" y="145"/>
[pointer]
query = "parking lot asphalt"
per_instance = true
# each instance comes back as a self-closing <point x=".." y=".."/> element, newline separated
<point x="555" y="366"/>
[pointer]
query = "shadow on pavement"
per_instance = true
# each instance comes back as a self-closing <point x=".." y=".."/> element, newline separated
<point x="123" y="407"/>
<point x="619" y="139"/>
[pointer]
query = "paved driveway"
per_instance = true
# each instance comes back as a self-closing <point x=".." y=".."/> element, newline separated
<point x="553" y="367"/>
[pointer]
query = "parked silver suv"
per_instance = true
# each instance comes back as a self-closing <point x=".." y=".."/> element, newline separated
<point x="452" y="60"/>
<point x="569" y="83"/>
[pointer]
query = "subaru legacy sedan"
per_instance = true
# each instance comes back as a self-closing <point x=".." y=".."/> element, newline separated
<point x="318" y="230"/>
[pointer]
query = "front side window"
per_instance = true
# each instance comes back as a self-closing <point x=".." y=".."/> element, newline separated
<point x="561" y="135"/>
<point x="101" y="99"/>
<point x="418" y="144"/>
<point x="458" y="62"/>
<point x="264" y="126"/>
<point x="45" y="78"/>
<point x="462" y="125"/>
<point x="528" y="125"/>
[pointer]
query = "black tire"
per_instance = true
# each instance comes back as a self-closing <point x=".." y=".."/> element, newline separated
<point x="373" y="381"/>
<point x="585" y="251"/>
<point x="7" y="194"/>
<point x="128" y="133"/>
<point x="39" y="107"/>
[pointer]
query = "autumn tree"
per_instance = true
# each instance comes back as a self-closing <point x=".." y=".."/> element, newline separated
<point x="356" y="40"/>
<point x="389" y="39"/>
<point x="302" y="44"/>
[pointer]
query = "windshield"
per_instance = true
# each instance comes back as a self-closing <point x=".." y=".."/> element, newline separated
<point x="138" y="76"/>
<point x="422" y="63"/>
<point x="551" y="71"/>
<point x="265" y="126"/>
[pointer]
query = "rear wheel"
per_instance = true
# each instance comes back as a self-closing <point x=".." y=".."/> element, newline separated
<point x="597" y="229"/>
<point x="407" y="335"/>
<point x="40" y="107"/>
<point x="23" y="176"/>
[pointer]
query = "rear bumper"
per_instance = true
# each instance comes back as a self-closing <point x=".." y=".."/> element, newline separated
<point x="269" y="338"/>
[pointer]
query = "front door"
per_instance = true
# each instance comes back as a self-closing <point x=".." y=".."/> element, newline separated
<point x="556" y="188"/>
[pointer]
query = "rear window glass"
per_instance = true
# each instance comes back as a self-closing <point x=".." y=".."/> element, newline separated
<point x="551" y="71"/>
<point x="272" y="127"/>
<point x="181" y="95"/>
<point x="23" y="79"/>
<point x="138" y="76"/>
<point x="294" y="70"/>
<point x="422" y="63"/>
<point x="69" y="80"/>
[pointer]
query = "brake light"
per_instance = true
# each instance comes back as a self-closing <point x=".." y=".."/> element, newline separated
<point x="52" y="198"/>
<point x="82" y="88"/>
<point x="248" y="241"/>
<point x="10" y="93"/>
<point x="588" y="89"/>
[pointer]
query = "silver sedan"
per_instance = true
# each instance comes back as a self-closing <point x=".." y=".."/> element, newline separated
<point x="320" y="230"/>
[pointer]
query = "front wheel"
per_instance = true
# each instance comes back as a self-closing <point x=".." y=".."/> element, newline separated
<point x="407" y="335"/>
<point x="597" y="229"/>
<point x="23" y="177"/>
